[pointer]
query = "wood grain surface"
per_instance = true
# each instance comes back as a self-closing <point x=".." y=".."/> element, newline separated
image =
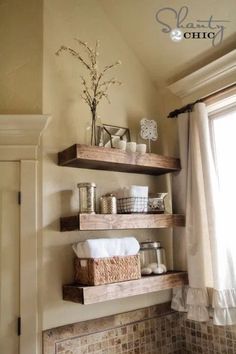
<point x="86" y="222"/>
<point x="100" y="158"/>
<point x="95" y="294"/>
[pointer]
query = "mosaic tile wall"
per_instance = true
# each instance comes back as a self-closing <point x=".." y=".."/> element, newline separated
<point x="152" y="330"/>
<point x="206" y="338"/>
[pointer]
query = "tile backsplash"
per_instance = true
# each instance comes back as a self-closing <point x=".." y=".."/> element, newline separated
<point x="145" y="331"/>
<point x="206" y="338"/>
<point x="151" y="330"/>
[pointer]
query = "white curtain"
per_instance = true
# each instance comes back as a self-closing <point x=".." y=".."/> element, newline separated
<point x="212" y="281"/>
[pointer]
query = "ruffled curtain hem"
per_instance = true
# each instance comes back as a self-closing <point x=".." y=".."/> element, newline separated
<point x="195" y="301"/>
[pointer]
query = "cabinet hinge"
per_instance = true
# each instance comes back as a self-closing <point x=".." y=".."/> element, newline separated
<point x="19" y="326"/>
<point x="19" y="198"/>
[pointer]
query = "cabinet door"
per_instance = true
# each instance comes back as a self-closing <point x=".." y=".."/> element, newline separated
<point x="9" y="257"/>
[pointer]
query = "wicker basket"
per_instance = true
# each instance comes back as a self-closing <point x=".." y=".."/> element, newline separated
<point x="97" y="271"/>
<point x="132" y="205"/>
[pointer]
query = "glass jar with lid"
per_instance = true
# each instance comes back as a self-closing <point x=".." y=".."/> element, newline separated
<point x="152" y="258"/>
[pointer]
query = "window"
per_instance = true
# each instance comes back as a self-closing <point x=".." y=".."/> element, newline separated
<point x="222" y="117"/>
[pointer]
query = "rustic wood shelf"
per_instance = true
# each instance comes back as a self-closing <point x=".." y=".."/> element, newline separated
<point x="100" y="158"/>
<point x="86" y="222"/>
<point x="94" y="294"/>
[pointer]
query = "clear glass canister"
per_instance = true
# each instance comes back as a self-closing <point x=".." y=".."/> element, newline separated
<point x="152" y="257"/>
<point x="87" y="198"/>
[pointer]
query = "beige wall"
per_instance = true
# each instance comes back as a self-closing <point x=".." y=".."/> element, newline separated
<point x="21" y="56"/>
<point x="31" y="83"/>
<point x="137" y="98"/>
<point x="32" y="80"/>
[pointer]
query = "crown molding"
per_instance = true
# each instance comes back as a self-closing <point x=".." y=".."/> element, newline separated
<point x="212" y="77"/>
<point x="22" y="129"/>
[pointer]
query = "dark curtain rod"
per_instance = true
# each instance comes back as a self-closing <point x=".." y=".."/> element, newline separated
<point x="189" y="107"/>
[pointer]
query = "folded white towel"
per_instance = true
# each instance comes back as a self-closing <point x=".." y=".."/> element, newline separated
<point x="139" y="191"/>
<point x="132" y="191"/>
<point x="106" y="247"/>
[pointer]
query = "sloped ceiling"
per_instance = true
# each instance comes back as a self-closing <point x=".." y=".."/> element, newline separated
<point x="166" y="60"/>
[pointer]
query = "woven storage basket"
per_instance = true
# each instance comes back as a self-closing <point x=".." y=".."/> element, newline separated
<point x="132" y="205"/>
<point x="97" y="271"/>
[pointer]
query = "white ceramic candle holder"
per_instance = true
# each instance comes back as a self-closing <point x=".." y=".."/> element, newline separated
<point x="131" y="146"/>
<point x="121" y="145"/>
<point x="141" y="148"/>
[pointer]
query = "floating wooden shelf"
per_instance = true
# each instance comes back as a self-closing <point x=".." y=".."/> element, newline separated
<point x="86" y="222"/>
<point x="94" y="294"/>
<point x="100" y="158"/>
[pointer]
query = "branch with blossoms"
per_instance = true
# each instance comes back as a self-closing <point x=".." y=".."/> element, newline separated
<point x="96" y="87"/>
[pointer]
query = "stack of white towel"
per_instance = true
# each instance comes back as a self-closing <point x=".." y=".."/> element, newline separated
<point x="134" y="199"/>
<point x="132" y="191"/>
<point x="106" y="247"/>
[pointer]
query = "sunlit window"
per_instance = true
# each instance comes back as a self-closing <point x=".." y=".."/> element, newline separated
<point x="223" y="129"/>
